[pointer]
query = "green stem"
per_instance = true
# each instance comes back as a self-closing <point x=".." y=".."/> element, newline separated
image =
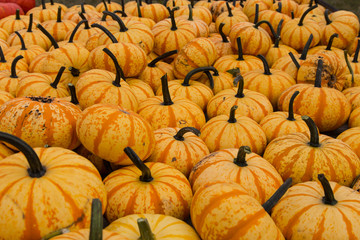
<point x="17" y="14"/>
<point x="331" y="40"/>
<point x="326" y="14"/>
<point x="180" y="134"/>
<point x="240" y="91"/>
<point x="105" y="5"/>
<point x="256" y="19"/>
<point x="348" y="64"/>
<point x="123" y="14"/>
<point x="229" y="9"/>
<point x="269" y="24"/>
<point x="23" y="46"/>
<point x="165" y="91"/>
<point x="301" y="21"/>
<point x="2" y="56"/>
<point x="55" y="83"/>
<point x="279" y="8"/>
<point x="190" y="13"/>
<point x="43" y="4"/>
<point x="146" y="174"/>
<point x="306" y="48"/>
<point x="232" y="118"/>
<point x="222" y="34"/>
<point x="31" y="19"/>
<point x="291" y="107"/>
<point x="240" y="51"/>
<point x="266" y="65"/>
<point x="106" y="31"/>
<point x="193" y="72"/>
<point x="115" y="17"/>
<point x="274" y="199"/>
<point x="277" y="37"/>
<point x="59" y="15"/>
<point x="36" y="170"/>
<point x="173" y="22"/>
<point x="86" y="22"/>
<point x="240" y="159"/>
<point x="13" y="66"/>
<point x="145" y="230"/>
<point x="294" y="60"/>
<point x="329" y="197"/>
<point x="71" y="39"/>
<point x="314" y="134"/>
<point x="119" y="71"/>
<point x="161" y="57"/>
<point x="48" y="35"/>
<point x="96" y="224"/>
<point x="138" y="8"/>
<point x="74" y="99"/>
<point x="318" y="73"/>
<point x="356" y="56"/>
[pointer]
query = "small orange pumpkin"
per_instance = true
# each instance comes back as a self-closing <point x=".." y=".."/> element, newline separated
<point x="9" y="80"/>
<point x="354" y="119"/>
<point x="353" y="95"/>
<point x="351" y="137"/>
<point x="11" y="24"/>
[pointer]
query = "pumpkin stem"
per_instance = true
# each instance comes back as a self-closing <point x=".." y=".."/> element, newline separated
<point x="274" y="199"/>
<point x="279" y="8"/>
<point x="210" y="77"/>
<point x="96" y="224"/>
<point x="106" y="31"/>
<point x="165" y="91"/>
<point x="232" y="118"/>
<point x="356" y="56"/>
<point x="23" y="47"/>
<point x="55" y="83"/>
<point x="311" y="3"/>
<point x="71" y="39"/>
<point x="59" y="15"/>
<point x="256" y="19"/>
<point x="145" y="230"/>
<point x="278" y="31"/>
<point x="240" y="159"/>
<point x="146" y="173"/>
<point x="292" y="15"/>
<point x="17" y="14"/>
<point x="314" y="134"/>
<point x="348" y="64"/>
<point x="318" y="73"/>
<point x="51" y="2"/>
<point x="138" y="8"/>
<point x="48" y="35"/>
<point x="173" y="22"/>
<point x="240" y="51"/>
<point x="123" y="6"/>
<point x="354" y="181"/>
<point x="161" y="57"/>
<point x="190" y="13"/>
<point x="193" y="72"/>
<point x="13" y="66"/>
<point x="291" y="107"/>
<point x="123" y="14"/>
<point x="115" y="17"/>
<point x="329" y="45"/>
<point x="306" y="48"/>
<point x="222" y="34"/>
<point x="82" y="8"/>
<point x="105" y="5"/>
<point x="266" y="65"/>
<point x="329" y="197"/>
<point x="74" y="71"/>
<point x="119" y="71"/>
<point x="269" y="24"/>
<point x="74" y="99"/>
<point x="229" y="9"/>
<point x="36" y="170"/>
<point x="86" y="22"/>
<point x="180" y="134"/>
<point x="2" y="56"/>
<point x="326" y="14"/>
<point x="43" y="4"/>
<point x="240" y="91"/>
<point x="31" y="19"/>
<point x="301" y="21"/>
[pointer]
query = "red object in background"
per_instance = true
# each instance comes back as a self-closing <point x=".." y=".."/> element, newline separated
<point x="26" y="5"/>
<point x="7" y="9"/>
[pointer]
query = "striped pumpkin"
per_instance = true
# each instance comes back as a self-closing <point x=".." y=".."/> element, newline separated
<point x="222" y="43"/>
<point x="78" y="8"/>
<point x="302" y="157"/>
<point x="41" y="121"/>
<point x="161" y="226"/>
<point x="230" y="18"/>
<point x="201" y="28"/>
<point x="5" y="151"/>
<point x="256" y="175"/>
<point x="3" y="34"/>
<point x="273" y="17"/>
<point x="15" y="23"/>
<point x="218" y="81"/>
<point x="44" y="13"/>
<point x="154" y="187"/>
<point x="108" y="5"/>
<point x="354" y="119"/>
<point x="4" y="97"/>
<point x="199" y="12"/>
<point x="83" y="33"/>
<point x="155" y="11"/>
<point x="9" y="80"/>
<point x="250" y="7"/>
<point x="287" y="6"/>
<point x="75" y="15"/>
<point x="141" y="89"/>
<point x="353" y="95"/>
<point x="6" y="64"/>
<point x="180" y="148"/>
<point x="223" y="132"/>
<point x="3" y="44"/>
<point x="46" y="184"/>
<point x="331" y="209"/>
<point x="352" y="138"/>
<point x="226" y="211"/>
<point x="250" y="103"/>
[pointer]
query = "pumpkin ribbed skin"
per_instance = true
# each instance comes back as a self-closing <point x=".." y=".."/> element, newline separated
<point x="29" y="54"/>
<point x="218" y="134"/>
<point x="226" y="211"/>
<point x="303" y="204"/>
<point x="168" y="193"/>
<point x="292" y="156"/>
<point x="83" y="34"/>
<point x="250" y="7"/>
<point x="199" y="12"/>
<point x="287" y="65"/>
<point x="110" y="6"/>
<point x="75" y="17"/>
<point x="36" y="37"/>
<point x="162" y="226"/>
<point x="155" y="11"/>
<point x="354" y="119"/>
<point x="83" y="234"/>
<point x="4" y="97"/>
<point x="276" y="53"/>
<point x="182" y="154"/>
<point x="10" y="84"/>
<point x="11" y="24"/>
<point x="5" y="151"/>
<point x="229" y="62"/>
<point x="43" y="15"/>
<point x="152" y="75"/>
<point x="353" y="95"/>
<point x="201" y="28"/>
<point x="63" y="194"/>
<point x="352" y="137"/>
<point x="238" y="16"/>
<point x="222" y="48"/>
<point x="3" y="34"/>
<point x="221" y="80"/>
<point x="141" y="89"/>
<point x="3" y="44"/>
<point x="273" y="17"/>
<point x="96" y="86"/>
<point x="328" y="107"/>
<point x="287" y="6"/>
<point x="59" y="30"/>
<point x="20" y="66"/>
<point x="259" y="178"/>
<point x="41" y="121"/>
<point x="106" y="130"/>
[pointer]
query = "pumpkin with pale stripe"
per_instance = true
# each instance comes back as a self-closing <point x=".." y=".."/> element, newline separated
<point x="6" y="64"/>
<point x="4" y="97"/>
<point x="353" y="95"/>
<point x="44" y="13"/>
<point x="217" y="81"/>
<point x="82" y="14"/>
<point x="108" y="5"/>
<point x="15" y="22"/>
<point x="201" y="27"/>
<point x="44" y="184"/>
<point x="354" y="119"/>
<point x="5" y="151"/>
<point x="141" y="89"/>
<point x="199" y="12"/>
<point x="222" y="43"/>
<point x="147" y="188"/>
<point x="9" y="80"/>
<point x="230" y="18"/>
<point x="273" y="17"/>
<point x="352" y="137"/>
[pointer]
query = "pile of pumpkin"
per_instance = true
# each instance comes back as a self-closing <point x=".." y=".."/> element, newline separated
<point x="181" y="120"/>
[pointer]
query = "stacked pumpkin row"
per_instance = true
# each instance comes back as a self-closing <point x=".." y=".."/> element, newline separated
<point x="85" y="79"/>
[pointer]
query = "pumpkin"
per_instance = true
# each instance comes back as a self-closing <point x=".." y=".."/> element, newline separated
<point x="81" y="14"/>
<point x="4" y="36"/>
<point x="354" y="45"/>
<point x="317" y="102"/>
<point x="354" y="119"/>
<point x="198" y="12"/>
<point x="329" y="207"/>
<point x="37" y="84"/>
<point x="141" y="89"/>
<point x="273" y="17"/>
<point x="222" y="43"/>
<point x="26" y="5"/>
<point x="329" y="48"/>
<point x="101" y="86"/>
<point x="147" y="21"/>
<point x="201" y="27"/>
<point x="41" y="121"/>
<point x="155" y="187"/>
<point x="171" y="34"/>
<point x="256" y="175"/>
<point x="230" y="18"/>
<point x="7" y="64"/>
<point x="287" y="6"/>
<point x="305" y="5"/>
<point x="55" y="183"/>
<point x="226" y="211"/>
<point x="270" y="82"/>
<point x="131" y="7"/>
<point x="79" y="7"/>
<point x="203" y="3"/>
<point x="4" y="97"/>
<point x="163" y="111"/>
<point x="218" y="81"/>
<point x="82" y="34"/>
<point x="251" y="7"/>
<point x="5" y="151"/>
<point x="44" y="13"/>
<point x="11" y="24"/>
<point x="351" y="137"/>
<point x="353" y="95"/>
<point x="7" y="9"/>
<point x="180" y="148"/>
<point x="154" y="11"/>
<point x="278" y="124"/>
<point x="9" y="80"/>
<point x="107" y="5"/>
<point x="116" y="128"/>
<point x="233" y="131"/>
<point x="303" y="157"/>
<point x="157" y="226"/>
<point x="249" y="103"/>
<point x="55" y="5"/>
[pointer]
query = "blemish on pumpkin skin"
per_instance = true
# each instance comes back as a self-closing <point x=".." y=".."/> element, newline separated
<point x="173" y="159"/>
<point x="16" y="204"/>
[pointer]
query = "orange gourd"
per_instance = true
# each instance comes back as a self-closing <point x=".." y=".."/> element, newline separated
<point x="222" y="43"/>
<point x="11" y="24"/>
<point x="9" y="80"/>
<point x="44" y="13"/>
<point x="351" y="137"/>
